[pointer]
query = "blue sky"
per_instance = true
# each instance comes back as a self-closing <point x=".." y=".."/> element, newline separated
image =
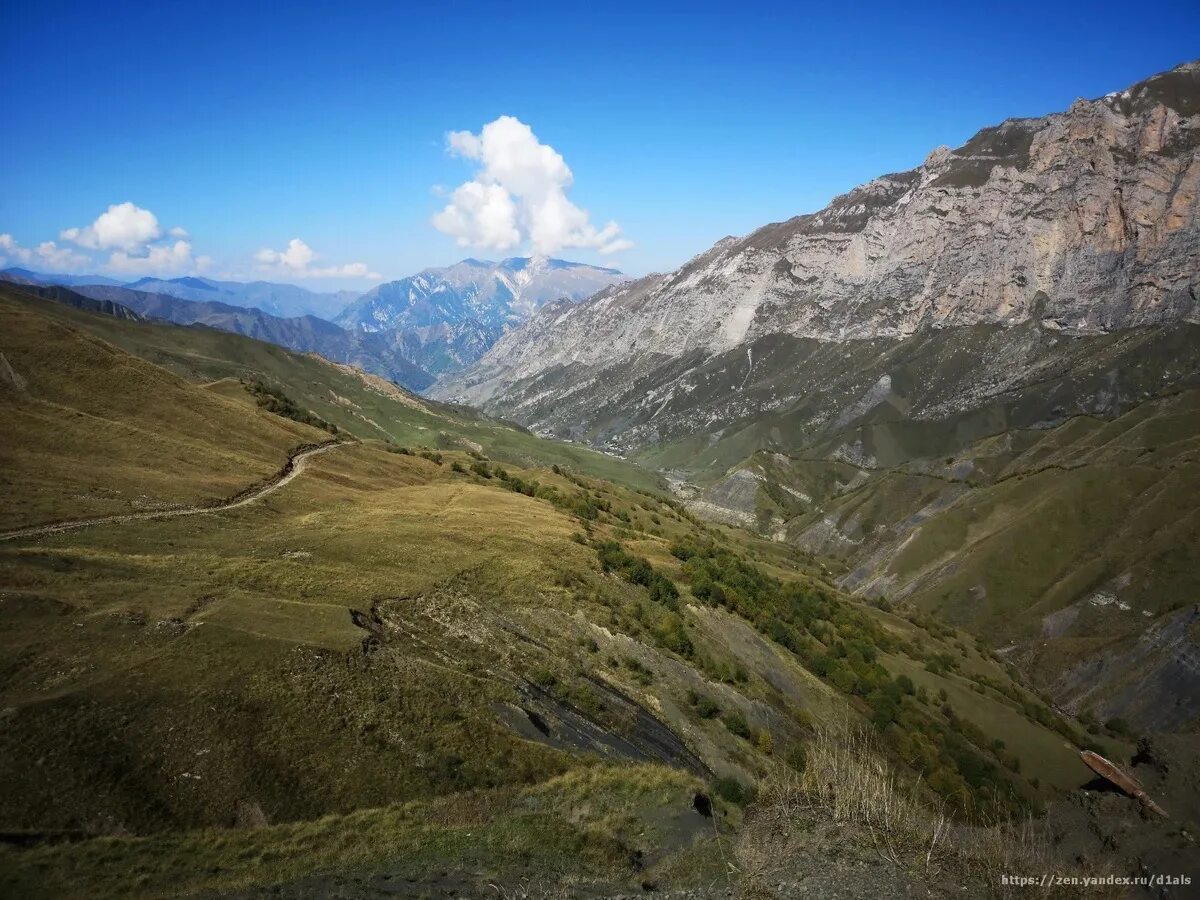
<point x="251" y="125"/>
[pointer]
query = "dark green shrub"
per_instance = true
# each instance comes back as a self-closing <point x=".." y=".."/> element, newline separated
<point x="275" y="401"/>
<point x="736" y="723"/>
<point x="796" y="757"/>
<point x="706" y="707"/>
<point x="733" y="791"/>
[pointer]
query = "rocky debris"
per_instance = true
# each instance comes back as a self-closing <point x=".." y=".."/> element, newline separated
<point x="249" y="814"/>
<point x="1153" y="680"/>
<point x="641" y="737"/>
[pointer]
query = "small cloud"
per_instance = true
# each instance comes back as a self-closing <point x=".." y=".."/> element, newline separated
<point x="137" y="242"/>
<point x="518" y="195"/>
<point x="11" y="251"/>
<point x="60" y="259"/>
<point x="296" y="261"/>
<point x="158" y="259"/>
<point x="47" y="256"/>
<point x="123" y="226"/>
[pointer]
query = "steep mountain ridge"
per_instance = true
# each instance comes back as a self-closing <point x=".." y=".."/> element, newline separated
<point x="1083" y="221"/>
<point x="283" y="300"/>
<point x="385" y="353"/>
<point x="909" y="380"/>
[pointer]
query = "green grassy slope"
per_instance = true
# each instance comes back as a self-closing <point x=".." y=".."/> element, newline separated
<point x="137" y="437"/>
<point x="1066" y="545"/>
<point x="512" y="668"/>
<point x="1037" y="489"/>
<point x="362" y="405"/>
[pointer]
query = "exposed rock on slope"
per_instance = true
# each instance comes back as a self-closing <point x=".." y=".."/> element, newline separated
<point x="972" y="383"/>
<point x="1083" y="221"/>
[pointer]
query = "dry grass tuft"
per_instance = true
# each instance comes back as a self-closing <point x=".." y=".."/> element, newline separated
<point x="850" y="796"/>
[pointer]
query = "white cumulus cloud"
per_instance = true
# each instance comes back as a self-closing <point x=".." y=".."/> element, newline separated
<point x="518" y="194"/>
<point x="46" y="256"/>
<point x="123" y="226"/>
<point x="296" y="261"/>
<point x="137" y="242"/>
<point x="11" y="251"/>
<point x="156" y="259"/>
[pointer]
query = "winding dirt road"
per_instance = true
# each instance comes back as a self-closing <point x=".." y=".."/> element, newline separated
<point x="295" y="465"/>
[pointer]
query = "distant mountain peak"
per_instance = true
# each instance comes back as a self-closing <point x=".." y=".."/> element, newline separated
<point x="465" y="307"/>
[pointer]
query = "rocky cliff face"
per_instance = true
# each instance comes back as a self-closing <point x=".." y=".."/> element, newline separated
<point x="1083" y="221"/>
<point x="972" y="386"/>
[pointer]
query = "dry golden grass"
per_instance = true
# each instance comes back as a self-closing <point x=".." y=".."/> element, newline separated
<point x="850" y="790"/>
<point x="569" y="830"/>
<point x="91" y="430"/>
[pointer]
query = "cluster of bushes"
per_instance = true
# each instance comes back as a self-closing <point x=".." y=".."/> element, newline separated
<point x="276" y="401"/>
<point x="733" y="791"/>
<point x="705" y="707"/>
<point x="658" y="615"/>
<point x="583" y="505"/>
<point x="580" y="506"/>
<point x="432" y="455"/>
<point x="636" y="570"/>
<point x="841" y="644"/>
<point x="951" y="763"/>
<point x="641" y="674"/>
<point x="519" y="485"/>
<point x="940" y="663"/>
<point x="831" y="637"/>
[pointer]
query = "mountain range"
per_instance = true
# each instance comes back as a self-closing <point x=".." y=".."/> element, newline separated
<point x="455" y="314"/>
<point x="839" y="562"/>
<point x="408" y="331"/>
<point x="284" y="300"/>
<point x="932" y="376"/>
